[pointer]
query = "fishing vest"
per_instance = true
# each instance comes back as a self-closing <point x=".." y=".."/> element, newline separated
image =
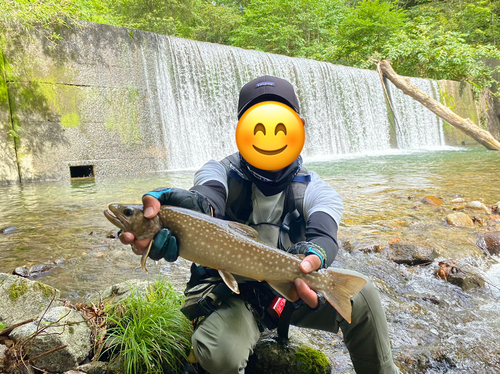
<point x="239" y="205"/>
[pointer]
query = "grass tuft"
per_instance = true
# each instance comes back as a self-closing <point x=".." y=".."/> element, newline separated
<point x="149" y="334"/>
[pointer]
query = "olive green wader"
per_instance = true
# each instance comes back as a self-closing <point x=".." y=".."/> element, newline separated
<point x="225" y="339"/>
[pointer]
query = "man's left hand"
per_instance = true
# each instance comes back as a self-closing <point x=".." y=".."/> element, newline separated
<point x="308" y="265"/>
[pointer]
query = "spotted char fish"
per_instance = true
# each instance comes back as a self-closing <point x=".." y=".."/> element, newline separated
<point x="234" y="249"/>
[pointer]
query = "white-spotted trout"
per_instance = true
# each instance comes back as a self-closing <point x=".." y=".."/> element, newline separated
<point x="234" y="249"/>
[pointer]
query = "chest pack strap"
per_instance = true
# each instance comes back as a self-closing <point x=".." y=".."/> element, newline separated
<point x="239" y="200"/>
<point x="285" y="227"/>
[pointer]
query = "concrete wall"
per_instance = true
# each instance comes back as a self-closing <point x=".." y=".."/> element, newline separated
<point x="92" y="99"/>
<point x="458" y="96"/>
<point x="490" y="104"/>
<point x="8" y="165"/>
<point x="82" y="101"/>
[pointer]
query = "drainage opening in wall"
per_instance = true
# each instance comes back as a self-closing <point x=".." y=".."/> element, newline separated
<point x="81" y="171"/>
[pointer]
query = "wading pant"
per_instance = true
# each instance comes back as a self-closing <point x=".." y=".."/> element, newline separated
<point x="225" y="339"/>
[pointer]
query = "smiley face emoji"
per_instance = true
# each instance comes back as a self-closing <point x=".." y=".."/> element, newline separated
<point x="270" y="135"/>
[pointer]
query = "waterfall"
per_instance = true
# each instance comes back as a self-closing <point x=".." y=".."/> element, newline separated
<point x="344" y="108"/>
<point x="417" y="126"/>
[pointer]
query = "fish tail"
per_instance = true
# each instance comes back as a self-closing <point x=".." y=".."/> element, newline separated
<point x="339" y="290"/>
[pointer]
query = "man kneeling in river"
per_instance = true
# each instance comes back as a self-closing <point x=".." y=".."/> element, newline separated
<point x="292" y="209"/>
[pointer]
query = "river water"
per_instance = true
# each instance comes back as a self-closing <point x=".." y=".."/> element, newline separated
<point x="435" y="327"/>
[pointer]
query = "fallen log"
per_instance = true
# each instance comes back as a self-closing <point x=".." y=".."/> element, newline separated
<point x="463" y="124"/>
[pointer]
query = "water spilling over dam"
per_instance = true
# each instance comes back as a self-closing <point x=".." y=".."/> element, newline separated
<point x="117" y="101"/>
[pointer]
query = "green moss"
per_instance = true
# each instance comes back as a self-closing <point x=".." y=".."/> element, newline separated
<point x="4" y="94"/>
<point x="47" y="291"/>
<point x="70" y="120"/>
<point x="18" y="289"/>
<point x="123" y="115"/>
<point x="3" y="326"/>
<point x="312" y="361"/>
<point x="71" y="329"/>
<point x="447" y="99"/>
<point x="48" y="100"/>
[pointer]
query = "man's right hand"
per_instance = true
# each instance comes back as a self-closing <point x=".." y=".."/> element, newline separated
<point x="165" y="245"/>
<point x="151" y="209"/>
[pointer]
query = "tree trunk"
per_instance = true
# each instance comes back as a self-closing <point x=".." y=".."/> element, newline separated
<point x="463" y="124"/>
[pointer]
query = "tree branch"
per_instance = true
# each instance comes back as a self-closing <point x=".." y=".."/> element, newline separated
<point x="463" y="124"/>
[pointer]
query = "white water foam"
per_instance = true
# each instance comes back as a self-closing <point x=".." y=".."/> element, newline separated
<point x="198" y="85"/>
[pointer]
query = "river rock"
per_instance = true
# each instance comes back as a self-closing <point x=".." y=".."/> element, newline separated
<point x="410" y="254"/>
<point x="34" y="270"/>
<point x="22" y="299"/>
<point x="490" y="242"/>
<point x="273" y="355"/>
<point x="459" y="220"/>
<point x="466" y="281"/>
<point x="458" y="200"/>
<point x="60" y="326"/>
<point x="477" y="205"/>
<point x="116" y="293"/>
<point x="3" y="348"/>
<point x="94" y="367"/>
<point x="432" y="200"/>
<point x="7" y="230"/>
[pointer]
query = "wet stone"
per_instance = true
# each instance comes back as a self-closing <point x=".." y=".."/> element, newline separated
<point x="3" y="348"/>
<point x="34" y="271"/>
<point x="432" y="200"/>
<point x="112" y="234"/>
<point x="366" y="248"/>
<point x="459" y="220"/>
<point x="490" y="242"/>
<point x="7" y="230"/>
<point x="479" y="220"/>
<point x="410" y="254"/>
<point x="466" y="281"/>
<point x="271" y="354"/>
<point x="95" y="367"/>
<point x="478" y="205"/>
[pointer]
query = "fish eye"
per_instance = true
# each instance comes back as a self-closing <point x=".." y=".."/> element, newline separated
<point x="259" y="127"/>
<point x="280" y="127"/>
<point x="127" y="212"/>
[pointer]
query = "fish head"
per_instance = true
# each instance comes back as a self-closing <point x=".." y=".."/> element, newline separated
<point x="130" y="218"/>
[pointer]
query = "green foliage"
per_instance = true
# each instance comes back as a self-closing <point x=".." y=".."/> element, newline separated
<point x="299" y="28"/>
<point x="422" y="50"/>
<point x="363" y="32"/>
<point x="427" y="38"/>
<point x="34" y="15"/>
<point x="3" y="326"/>
<point x="170" y="17"/>
<point x="149" y="333"/>
<point x="214" y="23"/>
<point x="477" y="20"/>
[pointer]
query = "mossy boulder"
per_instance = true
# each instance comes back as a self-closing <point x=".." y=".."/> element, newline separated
<point x="59" y="326"/>
<point x="22" y="299"/>
<point x="293" y="356"/>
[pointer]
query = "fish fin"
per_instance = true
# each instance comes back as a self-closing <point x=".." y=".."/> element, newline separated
<point x="144" y="257"/>
<point x="244" y="229"/>
<point x="301" y="256"/>
<point x="286" y="289"/>
<point x="229" y="280"/>
<point x="341" y="288"/>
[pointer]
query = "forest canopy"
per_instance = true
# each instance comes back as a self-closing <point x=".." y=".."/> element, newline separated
<point x="438" y="39"/>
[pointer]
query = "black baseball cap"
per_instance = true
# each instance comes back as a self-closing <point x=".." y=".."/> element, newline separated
<point x="267" y="88"/>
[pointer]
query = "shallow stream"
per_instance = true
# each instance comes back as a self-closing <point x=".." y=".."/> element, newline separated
<point x="435" y="326"/>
